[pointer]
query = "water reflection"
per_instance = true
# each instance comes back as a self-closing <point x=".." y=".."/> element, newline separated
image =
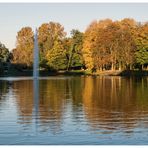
<point x="106" y="105"/>
<point x="43" y="103"/>
<point x="3" y="92"/>
<point x="53" y="94"/>
<point x="24" y="100"/>
<point x="3" y="89"/>
<point x="113" y="103"/>
<point x="36" y="100"/>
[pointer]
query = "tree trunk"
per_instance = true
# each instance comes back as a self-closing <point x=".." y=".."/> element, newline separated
<point x="71" y="56"/>
<point x="102" y="68"/>
<point x="112" y="67"/>
<point x="120" y="67"/>
<point x="130" y="66"/>
<point x="142" y="67"/>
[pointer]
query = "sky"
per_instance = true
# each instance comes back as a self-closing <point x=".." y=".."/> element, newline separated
<point x="14" y="16"/>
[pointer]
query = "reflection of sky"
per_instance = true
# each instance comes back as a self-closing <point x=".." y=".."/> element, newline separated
<point x="72" y="16"/>
<point x="8" y="118"/>
<point x="8" y="103"/>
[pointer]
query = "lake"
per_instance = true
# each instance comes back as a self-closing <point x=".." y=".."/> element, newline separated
<point x="75" y="110"/>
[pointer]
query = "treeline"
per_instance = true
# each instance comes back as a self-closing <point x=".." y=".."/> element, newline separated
<point x="105" y="45"/>
<point x="116" y="45"/>
<point x="57" y="52"/>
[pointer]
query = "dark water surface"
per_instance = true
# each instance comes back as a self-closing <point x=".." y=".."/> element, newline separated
<point x="74" y="110"/>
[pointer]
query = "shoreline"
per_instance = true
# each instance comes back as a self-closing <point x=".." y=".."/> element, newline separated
<point x="78" y="73"/>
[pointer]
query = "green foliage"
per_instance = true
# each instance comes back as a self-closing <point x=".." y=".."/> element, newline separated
<point x="142" y="56"/>
<point x="52" y="53"/>
<point x="75" y="53"/>
<point x="142" y="45"/>
<point x="56" y="57"/>
<point x="4" y="53"/>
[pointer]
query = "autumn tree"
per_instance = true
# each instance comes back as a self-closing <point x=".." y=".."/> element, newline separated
<point x="51" y="36"/>
<point x="89" y="45"/>
<point x="23" y="53"/>
<point x="127" y="44"/>
<point x="109" y="45"/>
<point x="95" y="52"/>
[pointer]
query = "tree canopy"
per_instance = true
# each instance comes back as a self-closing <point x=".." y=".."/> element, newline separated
<point x="4" y="53"/>
<point x="23" y="53"/>
<point x="105" y="45"/>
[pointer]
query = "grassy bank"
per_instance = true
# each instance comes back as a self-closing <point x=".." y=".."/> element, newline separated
<point x="108" y="73"/>
<point x="123" y="73"/>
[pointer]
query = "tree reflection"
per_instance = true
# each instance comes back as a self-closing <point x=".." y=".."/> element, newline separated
<point x="111" y="103"/>
<point x="24" y="100"/>
<point x="43" y="102"/>
<point x="4" y="88"/>
<point x="106" y="103"/>
<point x="53" y="94"/>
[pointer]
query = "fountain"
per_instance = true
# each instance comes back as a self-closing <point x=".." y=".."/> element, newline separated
<point x="36" y="56"/>
<point x="36" y="77"/>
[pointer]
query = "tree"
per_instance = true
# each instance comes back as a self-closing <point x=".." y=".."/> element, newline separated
<point x="51" y="36"/>
<point x="95" y="51"/>
<point x="89" y="45"/>
<point x="142" y="45"/>
<point x="4" y="53"/>
<point x="128" y="28"/>
<point x="56" y="57"/>
<point x="75" y="58"/>
<point x="23" y="53"/>
<point x="109" y="45"/>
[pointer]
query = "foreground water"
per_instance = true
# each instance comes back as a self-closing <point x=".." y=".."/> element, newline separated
<point x="74" y="110"/>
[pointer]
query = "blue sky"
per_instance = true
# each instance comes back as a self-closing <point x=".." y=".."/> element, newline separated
<point x="72" y="16"/>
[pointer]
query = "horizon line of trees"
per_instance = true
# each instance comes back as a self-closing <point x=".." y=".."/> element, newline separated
<point x="105" y="45"/>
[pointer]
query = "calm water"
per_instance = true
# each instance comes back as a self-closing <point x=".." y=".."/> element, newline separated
<point x="74" y="110"/>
